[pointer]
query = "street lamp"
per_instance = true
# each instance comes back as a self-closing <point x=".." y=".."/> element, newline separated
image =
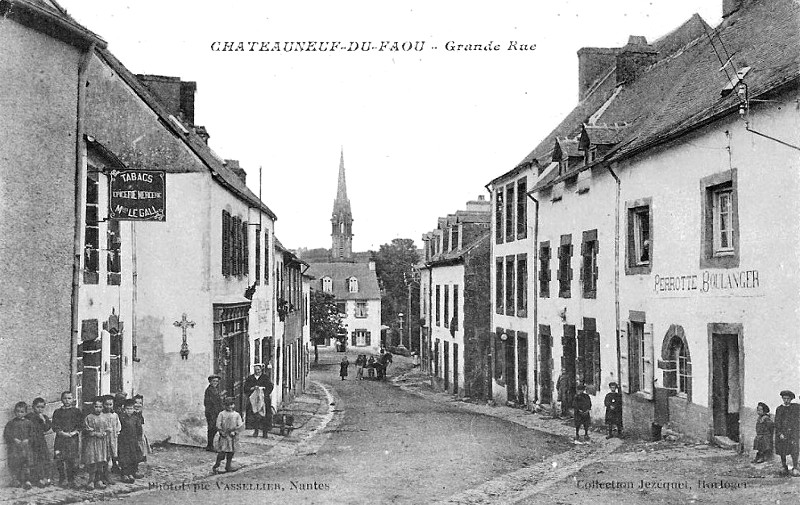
<point x="400" y="324"/>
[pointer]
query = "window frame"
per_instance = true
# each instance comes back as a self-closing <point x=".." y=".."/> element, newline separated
<point x="499" y="221"/>
<point x="634" y="265"/>
<point x="454" y="324"/>
<point x="589" y="269"/>
<point x="510" y="222"/>
<point x="361" y="310"/>
<point x="544" y="277"/>
<point x="565" y="274"/>
<point x="446" y="305"/>
<point x="438" y="305"/>
<point x="511" y="302"/>
<point x="522" y="208"/>
<point x="499" y="289"/>
<point x="712" y="256"/>
<point x="522" y="285"/>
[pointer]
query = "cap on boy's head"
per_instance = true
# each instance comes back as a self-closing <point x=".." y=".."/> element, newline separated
<point x="129" y="403"/>
<point x="21" y="405"/>
<point x="788" y="393"/>
<point x="764" y="407"/>
<point x="212" y="377"/>
<point x="613" y="385"/>
<point x="38" y="401"/>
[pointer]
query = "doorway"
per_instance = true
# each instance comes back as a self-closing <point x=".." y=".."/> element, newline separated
<point x="726" y="391"/>
<point x="511" y="383"/>
<point x="522" y="368"/>
<point x="545" y="364"/>
<point x="568" y="362"/>
<point x="446" y="365"/>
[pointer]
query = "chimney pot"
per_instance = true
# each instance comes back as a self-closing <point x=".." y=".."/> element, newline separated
<point x="593" y="63"/>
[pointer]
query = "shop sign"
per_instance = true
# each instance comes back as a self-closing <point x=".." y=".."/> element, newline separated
<point x="707" y="281"/>
<point x="137" y="195"/>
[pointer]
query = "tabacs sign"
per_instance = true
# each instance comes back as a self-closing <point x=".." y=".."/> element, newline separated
<point x="137" y="195"/>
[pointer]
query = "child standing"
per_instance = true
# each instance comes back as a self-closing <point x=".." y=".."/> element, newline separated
<point x="18" y="434"/>
<point x="613" y="403"/>
<point x="67" y="423"/>
<point x="361" y="360"/>
<point x="583" y="408"/>
<point x="371" y="366"/>
<point x="229" y="424"/>
<point x="129" y="452"/>
<point x="144" y="445"/>
<point x="787" y="432"/>
<point x="112" y="419"/>
<point x="41" y="456"/>
<point x="95" y="446"/>
<point x="343" y="367"/>
<point x="764" y="432"/>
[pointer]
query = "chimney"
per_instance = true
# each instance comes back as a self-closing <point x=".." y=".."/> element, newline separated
<point x="730" y="6"/>
<point x="593" y="63"/>
<point x="176" y="95"/>
<point x="634" y="58"/>
<point x="479" y="205"/>
<point x="233" y="166"/>
<point x="202" y="133"/>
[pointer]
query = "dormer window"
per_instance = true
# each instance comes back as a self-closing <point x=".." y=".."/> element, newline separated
<point x="563" y="165"/>
<point x="454" y="243"/>
<point x="327" y="285"/>
<point x="352" y="285"/>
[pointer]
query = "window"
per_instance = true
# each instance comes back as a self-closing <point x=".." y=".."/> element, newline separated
<point x="588" y="363"/>
<point x="676" y="363"/>
<point x="589" y="248"/>
<point x="361" y="338"/>
<point x="510" y="204"/>
<point x="510" y="285"/>
<point x="544" y="269"/>
<point x="91" y="246"/>
<point x="640" y="240"/>
<point x="565" y="266"/>
<point x="113" y="244"/>
<point x="636" y="355"/>
<point x="327" y="285"/>
<point x="446" y="239"/>
<point x="341" y="308"/>
<point x="352" y="285"/>
<point x="438" y="305"/>
<point x="720" y="226"/>
<point x="446" y="306"/>
<point x="266" y="258"/>
<point x="454" y="323"/>
<point x="235" y="254"/>
<point x="681" y="354"/>
<point x="257" y="273"/>
<point x="522" y="209"/>
<point x="454" y="244"/>
<point x="522" y="285"/>
<point x="498" y="215"/>
<point x="361" y="309"/>
<point x="499" y="290"/>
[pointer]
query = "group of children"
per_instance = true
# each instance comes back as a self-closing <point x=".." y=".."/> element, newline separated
<point x="110" y="438"/>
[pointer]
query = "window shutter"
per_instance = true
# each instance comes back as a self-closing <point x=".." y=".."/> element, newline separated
<point x="226" y="245"/>
<point x="569" y="263"/>
<point x="595" y="343"/>
<point x="647" y="387"/>
<point x="622" y="342"/>
<point x="353" y="338"/>
<point x="246" y="248"/>
<point x="368" y="338"/>
<point x="689" y="381"/>
<point x="596" y="262"/>
<point x="581" y="358"/>
<point x="366" y="308"/>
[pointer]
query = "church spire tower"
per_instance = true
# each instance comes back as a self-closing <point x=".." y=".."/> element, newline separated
<point x="341" y="219"/>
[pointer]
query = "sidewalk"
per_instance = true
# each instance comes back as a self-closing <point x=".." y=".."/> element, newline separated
<point x="173" y="465"/>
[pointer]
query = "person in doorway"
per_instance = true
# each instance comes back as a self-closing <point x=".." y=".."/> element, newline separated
<point x="765" y="430"/>
<point x="613" y="403"/>
<point x="67" y="424"/>
<point x="18" y="434"/>
<point x="229" y="424"/>
<point x="343" y="367"/>
<point x="565" y="388"/>
<point x="213" y="406"/>
<point x="41" y="456"/>
<point x="258" y="389"/>
<point x="787" y="432"/>
<point x="583" y="408"/>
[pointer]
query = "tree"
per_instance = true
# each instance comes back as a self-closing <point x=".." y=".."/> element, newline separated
<point x="393" y="265"/>
<point x="326" y="321"/>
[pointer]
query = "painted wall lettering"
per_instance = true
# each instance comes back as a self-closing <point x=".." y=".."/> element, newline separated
<point x="707" y="281"/>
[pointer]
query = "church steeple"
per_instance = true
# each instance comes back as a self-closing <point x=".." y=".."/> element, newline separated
<point x="341" y="219"/>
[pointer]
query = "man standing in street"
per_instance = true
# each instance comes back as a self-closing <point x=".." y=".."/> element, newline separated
<point x="213" y="406"/>
<point x="259" y="380"/>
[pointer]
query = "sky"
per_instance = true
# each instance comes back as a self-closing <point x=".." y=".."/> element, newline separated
<point x="422" y="131"/>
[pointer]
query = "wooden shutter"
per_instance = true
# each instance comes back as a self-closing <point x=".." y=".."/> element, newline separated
<point x="569" y="262"/>
<point x="647" y="387"/>
<point x="353" y="338"/>
<point x="622" y="342"/>
<point x="596" y="262"/>
<point x="580" y="358"/>
<point x="368" y="338"/>
<point x="246" y="248"/>
<point x="595" y="344"/>
<point x="226" y="245"/>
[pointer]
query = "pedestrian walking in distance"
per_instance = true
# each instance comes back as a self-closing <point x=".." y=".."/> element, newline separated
<point x="213" y="406"/>
<point x="229" y="424"/>
<point x="343" y="367"/>
<point x="67" y="423"/>
<point x="613" y="403"/>
<point x="765" y="430"/>
<point x="18" y="434"/>
<point x="583" y="409"/>
<point x="787" y="432"/>
<point x="41" y="456"/>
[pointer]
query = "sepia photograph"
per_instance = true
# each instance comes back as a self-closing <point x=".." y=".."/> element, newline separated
<point x="359" y="252"/>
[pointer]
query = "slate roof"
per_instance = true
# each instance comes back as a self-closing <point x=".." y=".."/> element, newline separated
<point x="603" y="134"/>
<point x="456" y="256"/>
<point x="339" y="273"/>
<point x="682" y="91"/>
<point x="58" y="23"/>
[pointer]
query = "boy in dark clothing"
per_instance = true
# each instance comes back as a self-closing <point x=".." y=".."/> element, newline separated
<point x="213" y="406"/>
<point x="787" y="432"/>
<point x="583" y="408"/>
<point x="67" y="423"/>
<point x="40" y="469"/>
<point x="129" y="452"/>
<point x="18" y="434"/>
<point x="613" y="403"/>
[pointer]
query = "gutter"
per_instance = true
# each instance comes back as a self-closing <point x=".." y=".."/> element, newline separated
<point x="535" y="282"/>
<point x="80" y="218"/>
<point x="616" y="262"/>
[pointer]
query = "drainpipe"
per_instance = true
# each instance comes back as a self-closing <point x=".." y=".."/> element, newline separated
<point x="80" y="197"/>
<point x="616" y="262"/>
<point x="490" y="381"/>
<point x="534" y="280"/>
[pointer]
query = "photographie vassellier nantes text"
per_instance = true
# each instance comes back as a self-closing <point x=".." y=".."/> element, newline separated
<point x="199" y="487"/>
<point x="329" y="46"/>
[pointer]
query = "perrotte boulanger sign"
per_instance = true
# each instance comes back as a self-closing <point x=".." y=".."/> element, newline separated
<point x="137" y="195"/>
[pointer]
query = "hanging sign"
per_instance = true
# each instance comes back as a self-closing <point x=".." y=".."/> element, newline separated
<point x="137" y="195"/>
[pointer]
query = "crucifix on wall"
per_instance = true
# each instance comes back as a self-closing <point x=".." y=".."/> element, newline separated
<point x="183" y="324"/>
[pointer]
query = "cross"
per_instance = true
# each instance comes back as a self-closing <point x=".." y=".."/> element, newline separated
<point x="183" y="324"/>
